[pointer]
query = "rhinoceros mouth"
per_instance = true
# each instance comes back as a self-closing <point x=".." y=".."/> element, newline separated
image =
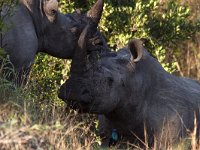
<point x="81" y="107"/>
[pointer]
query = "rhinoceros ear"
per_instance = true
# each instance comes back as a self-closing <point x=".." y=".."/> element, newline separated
<point x="136" y="48"/>
<point x="96" y="11"/>
<point x="51" y="9"/>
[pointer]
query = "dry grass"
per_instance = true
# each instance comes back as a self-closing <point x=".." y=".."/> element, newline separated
<point x="18" y="131"/>
<point x="25" y="125"/>
<point x="191" y="142"/>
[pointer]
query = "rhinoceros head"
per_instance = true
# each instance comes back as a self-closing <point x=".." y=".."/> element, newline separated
<point x="62" y="31"/>
<point x="99" y="84"/>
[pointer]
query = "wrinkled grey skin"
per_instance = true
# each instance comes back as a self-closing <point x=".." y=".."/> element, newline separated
<point x="38" y="26"/>
<point x="129" y="96"/>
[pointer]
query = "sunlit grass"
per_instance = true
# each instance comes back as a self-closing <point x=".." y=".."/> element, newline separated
<point x="21" y="129"/>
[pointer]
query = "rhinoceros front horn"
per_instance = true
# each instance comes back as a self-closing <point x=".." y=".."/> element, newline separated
<point x="79" y="58"/>
<point x="96" y="11"/>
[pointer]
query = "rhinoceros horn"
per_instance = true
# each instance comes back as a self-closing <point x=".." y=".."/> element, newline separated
<point x="79" y="58"/>
<point x="96" y="11"/>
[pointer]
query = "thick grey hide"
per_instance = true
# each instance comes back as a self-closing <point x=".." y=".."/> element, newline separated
<point x="134" y="97"/>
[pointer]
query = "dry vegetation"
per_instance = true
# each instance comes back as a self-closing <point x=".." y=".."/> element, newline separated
<point x="25" y="124"/>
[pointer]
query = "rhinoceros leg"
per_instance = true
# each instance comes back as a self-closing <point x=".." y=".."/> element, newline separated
<point x="105" y="129"/>
<point x="22" y="50"/>
<point x="21" y="44"/>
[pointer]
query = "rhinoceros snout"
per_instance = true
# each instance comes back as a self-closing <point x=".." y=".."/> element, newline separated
<point x="80" y="95"/>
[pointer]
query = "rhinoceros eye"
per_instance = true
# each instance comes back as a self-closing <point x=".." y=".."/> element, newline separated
<point x="110" y="81"/>
<point x="74" y="30"/>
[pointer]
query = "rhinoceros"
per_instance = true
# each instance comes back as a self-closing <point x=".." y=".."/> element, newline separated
<point x="132" y="94"/>
<point x="38" y="26"/>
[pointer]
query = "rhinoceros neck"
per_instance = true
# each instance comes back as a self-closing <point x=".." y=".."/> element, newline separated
<point x="149" y="75"/>
<point x="35" y="9"/>
<point x="125" y="118"/>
